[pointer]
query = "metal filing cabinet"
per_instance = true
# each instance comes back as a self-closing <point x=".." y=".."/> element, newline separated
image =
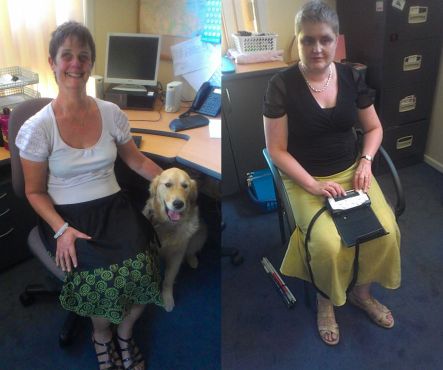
<point x="400" y="42"/>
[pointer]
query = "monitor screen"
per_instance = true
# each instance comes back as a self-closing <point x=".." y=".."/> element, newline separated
<point x="132" y="59"/>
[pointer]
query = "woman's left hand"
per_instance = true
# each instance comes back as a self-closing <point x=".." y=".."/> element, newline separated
<point x="363" y="175"/>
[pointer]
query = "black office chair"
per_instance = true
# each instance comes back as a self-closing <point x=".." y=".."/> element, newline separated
<point x="286" y="217"/>
<point x="18" y="116"/>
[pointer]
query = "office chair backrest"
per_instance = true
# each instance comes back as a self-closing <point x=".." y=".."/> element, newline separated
<point x="18" y="116"/>
<point x="282" y="196"/>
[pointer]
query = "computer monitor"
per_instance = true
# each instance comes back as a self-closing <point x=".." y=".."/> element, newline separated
<point x="132" y="60"/>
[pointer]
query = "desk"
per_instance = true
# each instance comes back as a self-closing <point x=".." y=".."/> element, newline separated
<point x="16" y="218"/>
<point x="4" y="156"/>
<point x="193" y="148"/>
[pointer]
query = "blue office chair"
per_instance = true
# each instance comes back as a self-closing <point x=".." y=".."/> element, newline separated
<point x="286" y="217"/>
<point x="18" y="116"/>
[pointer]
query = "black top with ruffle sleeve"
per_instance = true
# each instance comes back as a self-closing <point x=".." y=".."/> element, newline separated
<point x="322" y="140"/>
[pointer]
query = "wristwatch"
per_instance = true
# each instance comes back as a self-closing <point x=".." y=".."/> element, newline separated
<point x="367" y="157"/>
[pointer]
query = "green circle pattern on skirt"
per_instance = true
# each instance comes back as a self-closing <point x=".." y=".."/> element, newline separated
<point x="111" y="292"/>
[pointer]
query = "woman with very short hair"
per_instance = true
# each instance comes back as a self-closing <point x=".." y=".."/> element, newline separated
<point x="310" y="110"/>
<point x="105" y="246"/>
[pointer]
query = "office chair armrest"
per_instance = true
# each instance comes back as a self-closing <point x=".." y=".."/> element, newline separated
<point x="400" y="205"/>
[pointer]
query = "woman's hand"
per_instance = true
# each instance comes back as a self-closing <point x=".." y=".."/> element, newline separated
<point x="65" y="255"/>
<point x="327" y="189"/>
<point x="363" y="176"/>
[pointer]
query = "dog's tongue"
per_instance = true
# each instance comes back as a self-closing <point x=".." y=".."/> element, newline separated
<point x="173" y="215"/>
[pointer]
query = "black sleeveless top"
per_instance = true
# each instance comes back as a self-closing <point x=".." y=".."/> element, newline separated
<point x="322" y="140"/>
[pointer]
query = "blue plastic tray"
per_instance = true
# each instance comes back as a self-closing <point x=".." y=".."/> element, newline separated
<point x="261" y="189"/>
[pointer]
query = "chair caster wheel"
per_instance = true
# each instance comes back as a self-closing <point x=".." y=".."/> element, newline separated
<point x="237" y="260"/>
<point x="26" y="299"/>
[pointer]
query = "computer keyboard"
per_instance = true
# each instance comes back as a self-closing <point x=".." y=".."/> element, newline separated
<point x="131" y="88"/>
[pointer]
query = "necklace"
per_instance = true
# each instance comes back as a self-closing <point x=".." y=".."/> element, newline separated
<point x="325" y="85"/>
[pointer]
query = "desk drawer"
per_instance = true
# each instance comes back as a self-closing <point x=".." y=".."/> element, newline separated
<point x="6" y="222"/>
<point x="5" y="209"/>
<point x="16" y="220"/>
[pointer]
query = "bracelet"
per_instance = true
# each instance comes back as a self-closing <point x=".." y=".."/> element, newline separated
<point x="61" y="231"/>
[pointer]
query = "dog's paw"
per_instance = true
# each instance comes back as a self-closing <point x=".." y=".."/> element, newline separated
<point x="168" y="301"/>
<point x="192" y="261"/>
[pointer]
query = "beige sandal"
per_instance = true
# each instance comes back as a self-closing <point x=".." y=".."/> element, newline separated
<point x="326" y="324"/>
<point x="377" y="312"/>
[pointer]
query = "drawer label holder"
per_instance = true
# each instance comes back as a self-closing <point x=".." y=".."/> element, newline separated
<point x="412" y="62"/>
<point x="407" y="104"/>
<point x="418" y="14"/>
<point x="404" y="142"/>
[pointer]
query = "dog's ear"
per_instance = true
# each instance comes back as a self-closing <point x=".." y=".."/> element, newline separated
<point x="193" y="191"/>
<point x="153" y="187"/>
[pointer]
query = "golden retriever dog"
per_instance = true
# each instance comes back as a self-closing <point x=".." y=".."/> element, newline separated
<point x="173" y="211"/>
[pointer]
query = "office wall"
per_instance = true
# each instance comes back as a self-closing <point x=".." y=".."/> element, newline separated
<point x="434" y="147"/>
<point x="278" y="17"/>
<point x="119" y="16"/>
<point x="112" y="16"/>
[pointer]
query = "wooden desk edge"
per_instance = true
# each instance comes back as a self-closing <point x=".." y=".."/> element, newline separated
<point x="254" y="67"/>
<point x="194" y="138"/>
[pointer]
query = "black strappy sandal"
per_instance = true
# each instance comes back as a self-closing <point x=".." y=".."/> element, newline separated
<point x="113" y="362"/>
<point x="134" y="357"/>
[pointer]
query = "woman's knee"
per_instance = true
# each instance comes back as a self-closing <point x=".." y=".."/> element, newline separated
<point x="324" y="244"/>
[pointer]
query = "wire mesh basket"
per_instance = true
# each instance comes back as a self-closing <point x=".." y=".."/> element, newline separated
<point x="14" y="96"/>
<point x="255" y="43"/>
<point x="12" y="77"/>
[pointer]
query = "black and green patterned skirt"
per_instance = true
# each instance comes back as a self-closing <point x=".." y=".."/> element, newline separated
<point x="118" y="267"/>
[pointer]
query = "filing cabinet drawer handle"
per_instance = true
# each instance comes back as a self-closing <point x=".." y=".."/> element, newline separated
<point x="7" y="232"/>
<point x="412" y="62"/>
<point x="3" y="195"/>
<point x="407" y="104"/>
<point x="5" y="212"/>
<point x="418" y="14"/>
<point x="404" y="142"/>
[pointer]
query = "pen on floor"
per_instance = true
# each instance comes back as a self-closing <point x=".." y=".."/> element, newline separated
<point x="286" y="298"/>
<point x="279" y="279"/>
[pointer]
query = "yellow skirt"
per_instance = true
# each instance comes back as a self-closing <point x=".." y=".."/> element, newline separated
<point x="331" y="261"/>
